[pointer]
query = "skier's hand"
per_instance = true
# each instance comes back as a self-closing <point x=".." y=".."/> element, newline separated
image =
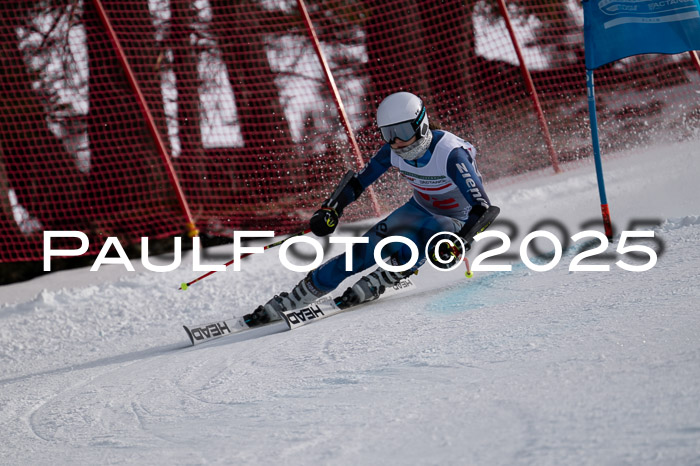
<point x="324" y="221"/>
<point x="447" y="253"/>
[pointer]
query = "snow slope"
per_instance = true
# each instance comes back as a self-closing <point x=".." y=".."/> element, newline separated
<point x="517" y="367"/>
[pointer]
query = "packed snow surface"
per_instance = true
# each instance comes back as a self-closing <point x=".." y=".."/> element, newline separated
<point x="517" y="367"/>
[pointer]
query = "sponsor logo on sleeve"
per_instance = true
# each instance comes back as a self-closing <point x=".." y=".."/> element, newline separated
<point x="471" y="184"/>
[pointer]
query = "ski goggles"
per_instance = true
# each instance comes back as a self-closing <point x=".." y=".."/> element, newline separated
<point x="404" y="130"/>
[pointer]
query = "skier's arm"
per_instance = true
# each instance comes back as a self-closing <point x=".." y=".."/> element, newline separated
<point x="375" y="168"/>
<point x="325" y="220"/>
<point x="463" y="172"/>
<point x="461" y="168"/>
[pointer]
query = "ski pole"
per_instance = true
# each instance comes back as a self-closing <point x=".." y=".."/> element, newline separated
<point x="349" y="175"/>
<point x="455" y="253"/>
<point x="184" y="286"/>
<point x="468" y="273"/>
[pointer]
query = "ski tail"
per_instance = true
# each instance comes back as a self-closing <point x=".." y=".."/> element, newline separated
<point x="189" y="334"/>
<point x="207" y="332"/>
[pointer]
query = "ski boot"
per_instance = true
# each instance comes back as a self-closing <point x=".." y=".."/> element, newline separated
<point x="302" y="295"/>
<point x="370" y="287"/>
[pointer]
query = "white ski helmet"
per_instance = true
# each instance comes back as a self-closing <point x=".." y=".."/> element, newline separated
<point x="403" y="115"/>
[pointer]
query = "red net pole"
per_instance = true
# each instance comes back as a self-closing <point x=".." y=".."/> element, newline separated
<point x="162" y="151"/>
<point x="696" y="60"/>
<point x="530" y="87"/>
<point x="336" y="97"/>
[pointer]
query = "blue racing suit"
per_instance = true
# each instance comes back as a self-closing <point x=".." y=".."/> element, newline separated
<point x="446" y="185"/>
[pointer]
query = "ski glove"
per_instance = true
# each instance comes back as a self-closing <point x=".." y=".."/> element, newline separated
<point x="480" y="218"/>
<point x="447" y="253"/>
<point x="324" y="221"/>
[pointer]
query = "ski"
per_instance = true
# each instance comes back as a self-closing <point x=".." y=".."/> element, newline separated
<point x="293" y="319"/>
<point x="299" y="317"/>
<point x="212" y="331"/>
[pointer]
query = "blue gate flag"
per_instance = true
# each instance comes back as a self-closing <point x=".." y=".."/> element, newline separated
<point x="615" y="29"/>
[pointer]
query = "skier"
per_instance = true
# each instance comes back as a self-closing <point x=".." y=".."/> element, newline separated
<point x="448" y="196"/>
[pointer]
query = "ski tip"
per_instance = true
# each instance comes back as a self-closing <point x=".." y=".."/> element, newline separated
<point x="189" y="334"/>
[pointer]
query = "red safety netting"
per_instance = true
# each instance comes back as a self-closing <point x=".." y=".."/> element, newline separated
<point x="234" y="97"/>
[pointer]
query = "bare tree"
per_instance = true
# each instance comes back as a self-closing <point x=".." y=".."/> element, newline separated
<point x="261" y="116"/>
<point x="396" y="58"/>
<point x="43" y="174"/>
<point x="244" y="51"/>
<point x="183" y="40"/>
<point x="557" y="34"/>
<point x="449" y="45"/>
<point x="127" y="176"/>
<point x="8" y="228"/>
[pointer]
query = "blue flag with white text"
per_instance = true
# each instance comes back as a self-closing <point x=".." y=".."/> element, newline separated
<point x="615" y="29"/>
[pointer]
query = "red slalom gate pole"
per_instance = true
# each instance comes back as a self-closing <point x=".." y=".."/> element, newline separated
<point x="184" y="286"/>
